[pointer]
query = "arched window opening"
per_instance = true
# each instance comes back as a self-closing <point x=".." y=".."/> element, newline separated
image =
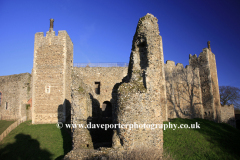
<point x="97" y="87"/>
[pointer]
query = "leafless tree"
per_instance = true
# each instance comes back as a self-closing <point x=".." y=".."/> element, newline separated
<point x="230" y="95"/>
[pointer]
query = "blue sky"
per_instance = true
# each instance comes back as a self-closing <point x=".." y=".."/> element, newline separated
<point x="102" y="31"/>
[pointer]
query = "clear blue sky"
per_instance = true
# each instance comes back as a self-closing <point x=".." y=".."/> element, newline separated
<point x="102" y="31"/>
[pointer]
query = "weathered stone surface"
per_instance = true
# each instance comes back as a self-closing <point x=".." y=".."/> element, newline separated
<point x="141" y="97"/>
<point x="147" y="92"/>
<point x="183" y="91"/>
<point x="206" y="63"/>
<point x="228" y="115"/>
<point x="52" y="68"/>
<point x="87" y="102"/>
<point x="81" y="110"/>
<point x="15" y="92"/>
<point x="107" y="78"/>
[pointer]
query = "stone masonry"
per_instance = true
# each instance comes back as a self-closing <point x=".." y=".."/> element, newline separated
<point x="81" y="110"/>
<point x="15" y="92"/>
<point x="206" y="63"/>
<point x="102" y="79"/>
<point x="91" y="88"/>
<point x="141" y="96"/>
<point x="228" y="115"/>
<point x="148" y="91"/>
<point x="52" y="68"/>
<point x="184" y="98"/>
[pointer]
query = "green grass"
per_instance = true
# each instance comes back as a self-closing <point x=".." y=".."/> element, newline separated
<point x="46" y="141"/>
<point x="42" y="141"/>
<point x="4" y="125"/>
<point x="211" y="141"/>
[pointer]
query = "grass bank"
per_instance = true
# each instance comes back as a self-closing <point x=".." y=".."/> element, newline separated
<point x="211" y="141"/>
<point x="4" y="125"/>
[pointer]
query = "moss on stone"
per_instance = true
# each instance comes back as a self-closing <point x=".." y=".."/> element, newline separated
<point x="126" y="90"/>
<point x="134" y="86"/>
<point x="27" y="106"/>
<point x="29" y="82"/>
<point x="80" y="89"/>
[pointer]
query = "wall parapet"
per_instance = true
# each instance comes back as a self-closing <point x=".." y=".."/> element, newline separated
<point x="172" y="64"/>
<point x="117" y="64"/>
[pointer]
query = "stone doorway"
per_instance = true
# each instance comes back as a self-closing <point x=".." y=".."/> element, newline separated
<point x="100" y="136"/>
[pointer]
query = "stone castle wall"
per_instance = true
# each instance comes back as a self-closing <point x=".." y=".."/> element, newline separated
<point x="81" y="110"/>
<point x="51" y="77"/>
<point x="91" y="87"/>
<point x="101" y="79"/>
<point x="16" y="91"/>
<point x="228" y="115"/>
<point x="183" y="91"/>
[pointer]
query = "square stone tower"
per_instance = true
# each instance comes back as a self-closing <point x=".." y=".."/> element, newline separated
<point x="206" y="63"/>
<point x="52" y="67"/>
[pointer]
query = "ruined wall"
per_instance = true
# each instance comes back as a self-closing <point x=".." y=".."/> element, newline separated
<point x="141" y="98"/>
<point x="88" y="98"/>
<point x="183" y="91"/>
<point x="107" y="76"/>
<point x="228" y="115"/>
<point x="51" y="77"/>
<point x="209" y="83"/>
<point x="16" y="91"/>
<point x="81" y="111"/>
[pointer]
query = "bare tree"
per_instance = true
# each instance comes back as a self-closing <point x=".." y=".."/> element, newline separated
<point x="230" y="95"/>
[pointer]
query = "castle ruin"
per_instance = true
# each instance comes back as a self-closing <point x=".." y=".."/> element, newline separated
<point x="147" y="91"/>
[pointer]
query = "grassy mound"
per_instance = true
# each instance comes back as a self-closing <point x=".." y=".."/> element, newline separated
<point x="211" y="141"/>
<point x="42" y="141"/>
<point x="4" y="125"/>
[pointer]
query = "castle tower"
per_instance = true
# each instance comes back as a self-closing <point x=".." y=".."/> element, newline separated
<point x="52" y="65"/>
<point x="206" y="63"/>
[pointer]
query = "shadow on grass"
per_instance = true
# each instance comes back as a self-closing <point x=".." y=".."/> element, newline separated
<point x="67" y="141"/>
<point x="220" y="135"/>
<point x="24" y="148"/>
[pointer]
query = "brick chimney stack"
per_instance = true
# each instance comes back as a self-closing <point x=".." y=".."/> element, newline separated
<point x="208" y="43"/>
<point x="51" y="25"/>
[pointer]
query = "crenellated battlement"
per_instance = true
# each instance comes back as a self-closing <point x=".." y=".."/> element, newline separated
<point x="51" y="38"/>
<point x="171" y="65"/>
<point x="193" y="56"/>
<point x="179" y="65"/>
